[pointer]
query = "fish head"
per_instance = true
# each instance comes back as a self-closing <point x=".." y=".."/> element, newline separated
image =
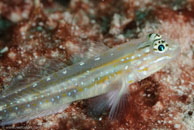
<point x="154" y="54"/>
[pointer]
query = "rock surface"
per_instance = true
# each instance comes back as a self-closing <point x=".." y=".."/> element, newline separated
<point x="61" y="29"/>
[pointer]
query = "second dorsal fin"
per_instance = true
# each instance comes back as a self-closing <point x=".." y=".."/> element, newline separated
<point x="91" y="49"/>
<point x="34" y="71"/>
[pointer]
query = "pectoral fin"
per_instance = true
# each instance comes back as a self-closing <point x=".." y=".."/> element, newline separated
<point x="115" y="100"/>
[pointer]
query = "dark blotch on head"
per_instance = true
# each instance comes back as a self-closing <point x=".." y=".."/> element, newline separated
<point x="150" y="34"/>
<point x="157" y="35"/>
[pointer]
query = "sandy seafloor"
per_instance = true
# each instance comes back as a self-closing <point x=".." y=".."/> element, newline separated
<point x="63" y="29"/>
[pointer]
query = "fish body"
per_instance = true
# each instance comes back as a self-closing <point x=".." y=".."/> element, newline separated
<point x="113" y="70"/>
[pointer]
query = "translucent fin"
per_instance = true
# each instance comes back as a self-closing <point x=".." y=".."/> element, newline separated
<point x="34" y="71"/>
<point x="119" y="105"/>
<point x="116" y="101"/>
<point x="95" y="49"/>
<point x="32" y="115"/>
<point x="90" y="50"/>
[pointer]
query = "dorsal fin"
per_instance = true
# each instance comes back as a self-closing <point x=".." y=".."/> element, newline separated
<point x="91" y="49"/>
<point x="34" y="71"/>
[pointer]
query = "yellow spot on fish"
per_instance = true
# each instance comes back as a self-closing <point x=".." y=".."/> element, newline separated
<point x="80" y="89"/>
<point x="119" y="48"/>
<point x="64" y="95"/>
<point x="144" y="69"/>
<point x="130" y="81"/>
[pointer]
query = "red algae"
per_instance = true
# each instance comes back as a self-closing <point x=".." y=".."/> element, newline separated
<point x="17" y="10"/>
<point x="55" y="29"/>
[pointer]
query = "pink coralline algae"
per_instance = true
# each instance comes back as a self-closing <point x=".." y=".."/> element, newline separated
<point x="58" y="29"/>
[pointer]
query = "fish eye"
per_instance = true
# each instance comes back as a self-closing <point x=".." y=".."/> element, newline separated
<point x="154" y="36"/>
<point x="160" y="46"/>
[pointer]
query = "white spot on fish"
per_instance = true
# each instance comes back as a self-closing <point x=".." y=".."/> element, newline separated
<point x="52" y="99"/>
<point x="122" y="60"/>
<point x="93" y="80"/>
<point x="97" y="58"/>
<point x="81" y="63"/>
<point x="108" y="83"/>
<point x="58" y="97"/>
<point x="69" y="93"/>
<point x="132" y="57"/>
<point x="48" y="78"/>
<point x="16" y="108"/>
<point x="34" y="85"/>
<point x="28" y="105"/>
<point x="75" y="91"/>
<point x="65" y="72"/>
<point x="147" y="50"/>
<point x="127" y="58"/>
<point x="139" y="55"/>
<point x="82" y="83"/>
<point x="142" y="67"/>
<point x="76" y="84"/>
<point x="126" y="67"/>
<point x="138" y="62"/>
<point x="73" y="79"/>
